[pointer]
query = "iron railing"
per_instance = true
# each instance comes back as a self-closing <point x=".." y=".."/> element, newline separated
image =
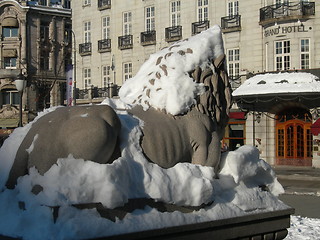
<point x="231" y="22"/>
<point x="198" y="27"/>
<point x="284" y="10"/>
<point x="94" y="92"/>
<point x="104" y="45"/>
<point x="85" y="48"/>
<point x="125" y="42"/>
<point x="173" y="33"/>
<point x="104" y="4"/>
<point x="148" y="38"/>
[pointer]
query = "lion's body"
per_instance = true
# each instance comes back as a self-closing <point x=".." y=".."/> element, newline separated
<point x="168" y="140"/>
<point x="88" y="132"/>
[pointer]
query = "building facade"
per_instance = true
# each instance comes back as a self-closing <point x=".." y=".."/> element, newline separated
<point x="34" y="47"/>
<point x="113" y="39"/>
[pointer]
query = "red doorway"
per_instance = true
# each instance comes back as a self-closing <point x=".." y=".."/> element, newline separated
<point x="294" y="138"/>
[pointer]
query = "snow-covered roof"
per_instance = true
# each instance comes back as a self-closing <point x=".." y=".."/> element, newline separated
<point x="279" y="83"/>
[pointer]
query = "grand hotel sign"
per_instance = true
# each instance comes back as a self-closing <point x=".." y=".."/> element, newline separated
<point x="285" y="30"/>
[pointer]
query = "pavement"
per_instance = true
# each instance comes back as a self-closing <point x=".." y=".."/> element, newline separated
<point x="299" y="180"/>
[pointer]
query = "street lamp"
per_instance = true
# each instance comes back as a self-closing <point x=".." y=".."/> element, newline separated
<point x="74" y="69"/>
<point x="20" y="83"/>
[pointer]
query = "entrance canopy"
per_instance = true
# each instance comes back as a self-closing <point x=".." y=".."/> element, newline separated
<point x="315" y="128"/>
<point x="264" y="91"/>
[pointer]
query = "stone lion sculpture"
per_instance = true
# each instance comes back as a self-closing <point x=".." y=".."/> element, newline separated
<point x="92" y="132"/>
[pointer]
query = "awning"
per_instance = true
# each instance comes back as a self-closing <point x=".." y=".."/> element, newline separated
<point x="10" y="22"/>
<point x="237" y="115"/>
<point x="315" y="128"/>
<point x="9" y="122"/>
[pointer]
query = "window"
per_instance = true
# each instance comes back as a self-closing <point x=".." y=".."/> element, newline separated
<point x="105" y="76"/>
<point x="127" y="71"/>
<point x="305" y="53"/>
<point x="175" y="13"/>
<point x="280" y="2"/>
<point x="234" y="62"/>
<point x="10" y="97"/>
<point x="127" y="23"/>
<point x="87" y="77"/>
<point x="44" y="31"/>
<point x="10" y="32"/>
<point x="233" y="8"/>
<point x="282" y="56"/>
<point x="150" y="19"/>
<point x="86" y="2"/>
<point x="87" y="32"/>
<point x="106" y="27"/>
<point x="202" y="10"/>
<point x="10" y="62"/>
<point x="44" y="59"/>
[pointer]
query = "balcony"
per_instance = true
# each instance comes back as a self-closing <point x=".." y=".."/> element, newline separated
<point x="85" y="49"/>
<point x="104" y="4"/>
<point x="286" y="12"/>
<point x="125" y="42"/>
<point x="231" y="23"/>
<point x="148" y="38"/>
<point x="198" y="27"/>
<point x="104" y="45"/>
<point x="173" y="33"/>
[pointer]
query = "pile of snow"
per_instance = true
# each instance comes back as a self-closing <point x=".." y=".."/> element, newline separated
<point x="303" y="228"/>
<point x="237" y="191"/>
<point x="294" y="82"/>
<point x="163" y="81"/>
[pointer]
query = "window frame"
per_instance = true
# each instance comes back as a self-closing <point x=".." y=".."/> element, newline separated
<point x="282" y="56"/>
<point x="175" y="13"/>
<point x="105" y="23"/>
<point x="150" y="18"/>
<point x="87" y="31"/>
<point x="10" y="31"/>
<point x="202" y="10"/>
<point x="233" y="62"/>
<point x="106" y="75"/>
<point x="86" y="77"/>
<point x="127" y="71"/>
<point x="305" y="62"/>
<point x="127" y="23"/>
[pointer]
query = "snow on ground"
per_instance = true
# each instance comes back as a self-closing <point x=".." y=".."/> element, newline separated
<point x="303" y="228"/>
<point x="279" y="83"/>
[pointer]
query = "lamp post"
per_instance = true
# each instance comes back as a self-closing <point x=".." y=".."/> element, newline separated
<point x="74" y="68"/>
<point x="20" y="83"/>
<point x="113" y="68"/>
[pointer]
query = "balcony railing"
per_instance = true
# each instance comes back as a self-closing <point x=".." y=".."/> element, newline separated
<point x="173" y="33"/>
<point x="104" y="45"/>
<point x="125" y="42"/>
<point x="85" y="49"/>
<point x="286" y="11"/>
<point x="148" y="38"/>
<point x="198" y="27"/>
<point x="231" y="23"/>
<point x="104" y="4"/>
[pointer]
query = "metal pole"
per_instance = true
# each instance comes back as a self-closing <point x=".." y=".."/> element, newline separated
<point x="20" y="109"/>
<point x="74" y="70"/>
